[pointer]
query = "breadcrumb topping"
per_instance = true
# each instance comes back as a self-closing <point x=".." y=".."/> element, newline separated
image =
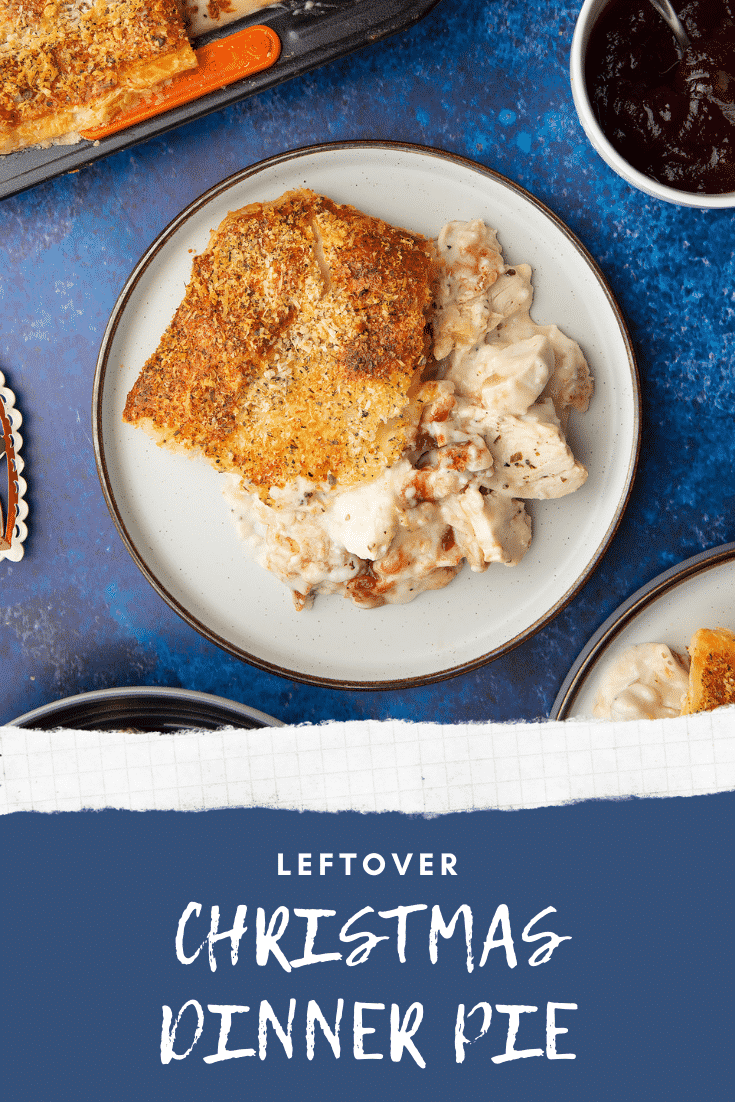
<point x="295" y="349"/>
<point x="712" y="670"/>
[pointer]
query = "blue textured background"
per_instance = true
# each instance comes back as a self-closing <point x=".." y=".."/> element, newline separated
<point x="483" y="78"/>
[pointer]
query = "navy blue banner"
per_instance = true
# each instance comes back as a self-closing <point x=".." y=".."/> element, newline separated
<point x="579" y="952"/>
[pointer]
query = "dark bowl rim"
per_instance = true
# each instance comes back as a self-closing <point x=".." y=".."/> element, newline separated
<point x="166" y="697"/>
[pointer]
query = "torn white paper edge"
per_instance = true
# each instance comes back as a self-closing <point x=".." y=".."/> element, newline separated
<point x="417" y="768"/>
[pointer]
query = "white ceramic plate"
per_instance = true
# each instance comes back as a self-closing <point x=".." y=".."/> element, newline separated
<point x="698" y="593"/>
<point x="172" y="515"/>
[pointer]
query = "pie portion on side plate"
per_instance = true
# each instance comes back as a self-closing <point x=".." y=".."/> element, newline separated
<point x="651" y="681"/>
<point x="68" y="65"/>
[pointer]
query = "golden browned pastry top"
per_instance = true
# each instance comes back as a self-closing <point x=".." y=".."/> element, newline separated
<point x="70" y="64"/>
<point x="295" y="348"/>
<point x="712" y="670"/>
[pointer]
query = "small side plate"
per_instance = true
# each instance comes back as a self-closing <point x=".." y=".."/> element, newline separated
<point x="698" y="593"/>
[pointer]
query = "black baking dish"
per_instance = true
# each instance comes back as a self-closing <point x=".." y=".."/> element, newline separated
<point x="312" y="32"/>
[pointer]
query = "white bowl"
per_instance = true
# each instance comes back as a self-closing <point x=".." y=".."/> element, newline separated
<point x="588" y="16"/>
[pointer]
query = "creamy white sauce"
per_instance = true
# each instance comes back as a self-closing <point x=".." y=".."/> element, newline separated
<point x="201" y="16"/>
<point x="364" y="520"/>
<point x="490" y="434"/>
<point x="648" y="681"/>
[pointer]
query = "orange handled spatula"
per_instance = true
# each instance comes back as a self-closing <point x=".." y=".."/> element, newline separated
<point x="220" y="63"/>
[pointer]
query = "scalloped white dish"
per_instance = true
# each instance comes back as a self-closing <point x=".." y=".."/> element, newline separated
<point x="14" y="507"/>
<point x="698" y="593"/>
<point x="173" y="517"/>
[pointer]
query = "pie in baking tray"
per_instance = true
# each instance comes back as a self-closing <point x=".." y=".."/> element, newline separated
<point x="68" y="65"/>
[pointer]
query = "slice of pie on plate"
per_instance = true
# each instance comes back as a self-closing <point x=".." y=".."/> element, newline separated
<point x="296" y="349"/>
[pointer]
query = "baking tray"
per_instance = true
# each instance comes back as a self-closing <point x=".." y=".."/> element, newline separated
<point x="311" y="32"/>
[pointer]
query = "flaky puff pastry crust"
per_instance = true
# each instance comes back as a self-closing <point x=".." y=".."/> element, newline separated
<point x="66" y="65"/>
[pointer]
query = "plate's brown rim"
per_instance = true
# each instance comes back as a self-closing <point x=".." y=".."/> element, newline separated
<point x="98" y="390"/>
<point x="637" y="603"/>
